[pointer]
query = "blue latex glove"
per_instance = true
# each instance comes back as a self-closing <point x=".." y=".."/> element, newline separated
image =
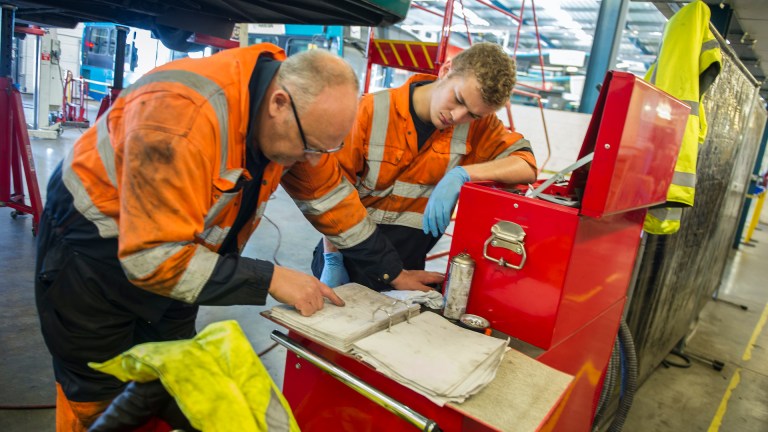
<point x="437" y="215"/>
<point x="334" y="273"/>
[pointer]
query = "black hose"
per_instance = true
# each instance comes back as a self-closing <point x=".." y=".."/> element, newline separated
<point x="609" y="383"/>
<point x="630" y="355"/>
<point x="27" y="407"/>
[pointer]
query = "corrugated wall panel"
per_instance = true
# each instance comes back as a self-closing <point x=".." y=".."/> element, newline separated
<point x="679" y="273"/>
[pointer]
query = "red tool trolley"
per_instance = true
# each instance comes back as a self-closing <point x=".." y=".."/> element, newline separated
<point x="552" y="271"/>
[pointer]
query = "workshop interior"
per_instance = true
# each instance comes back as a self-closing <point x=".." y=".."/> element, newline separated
<point x="624" y="289"/>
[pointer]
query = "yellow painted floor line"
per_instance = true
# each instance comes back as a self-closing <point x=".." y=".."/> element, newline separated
<point x="758" y="329"/>
<point x="717" y="421"/>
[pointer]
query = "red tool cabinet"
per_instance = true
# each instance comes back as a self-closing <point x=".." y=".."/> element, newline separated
<point x="550" y="274"/>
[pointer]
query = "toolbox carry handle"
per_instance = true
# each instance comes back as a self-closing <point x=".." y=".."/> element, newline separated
<point x="560" y="176"/>
<point x="506" y="235"/>
<point x="357" y="384"/>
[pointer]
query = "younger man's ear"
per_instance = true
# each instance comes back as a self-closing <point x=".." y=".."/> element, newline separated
<point x="445" y="68"/>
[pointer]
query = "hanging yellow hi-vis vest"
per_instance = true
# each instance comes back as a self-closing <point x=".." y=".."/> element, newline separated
<point x="218" y="381"/>
<point x="689" y="59"/>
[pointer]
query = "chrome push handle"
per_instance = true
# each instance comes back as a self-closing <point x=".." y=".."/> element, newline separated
<point x="356" y="384"/>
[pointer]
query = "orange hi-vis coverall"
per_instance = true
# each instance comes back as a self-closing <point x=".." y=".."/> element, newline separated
<point x="146" y="216"/>
<point x="393" y="177"/>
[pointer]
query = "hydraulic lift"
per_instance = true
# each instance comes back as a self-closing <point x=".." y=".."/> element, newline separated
<point x="15" y="150"/>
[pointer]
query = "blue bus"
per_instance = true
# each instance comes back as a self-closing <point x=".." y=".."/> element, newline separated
<point x="295" y="38"/>
<point x="97" y="59"/>
<point x="143" y="51"/>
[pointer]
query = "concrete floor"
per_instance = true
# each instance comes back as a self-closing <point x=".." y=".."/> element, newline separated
<point x="694" y="399"/>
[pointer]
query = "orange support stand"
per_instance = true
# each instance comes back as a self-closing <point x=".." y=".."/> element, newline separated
<point x="15" y="156"/>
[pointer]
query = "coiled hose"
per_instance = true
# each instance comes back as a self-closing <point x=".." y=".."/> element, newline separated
<point x="624" y="359"/>
<point x="609" y="383"/>
<point x="630" y="375"/>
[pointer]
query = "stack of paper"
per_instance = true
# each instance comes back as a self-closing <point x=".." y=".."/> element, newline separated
<point x="434" y="357"/>
<point x="366" y="312"/>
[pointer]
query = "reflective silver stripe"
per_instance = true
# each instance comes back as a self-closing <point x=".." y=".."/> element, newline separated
<point x="710" y="44"/>
<point x="409" y="219"/>
<point x="232" y="175"/>
<point x="208" y="90"/>
<point x="666" y="214"/>
<point x="196" y="275"/>
<point x="412" y="190"/>
<point x="520" y="144"/>
<point x="378" y="138"/>
<point x="214" y="235"/>
<point x="143" y="263"/>
<point x="458" y="145"/>
<point x="260" y="211"/>
<point x="106" y="225"/>
<point x="355" y="235"/>
<point x="407" y="190"/>
<point x="276" y="416"/>
<point x="459" y="138"/>
<point x="220" y="204"/>
<point x="655" y="67"/>
<point x="104" y="146"/>
<point x="328" y="201"/>
<point x="694" y="107"/>
<point x="684" y="179"/>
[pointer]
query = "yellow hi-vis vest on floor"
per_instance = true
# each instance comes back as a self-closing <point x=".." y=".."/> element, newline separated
<point x="217" y="380"/>
<point x="689" y="60"/>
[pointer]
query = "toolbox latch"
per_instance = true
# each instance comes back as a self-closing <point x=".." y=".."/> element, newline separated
<point x="510" y="236"/>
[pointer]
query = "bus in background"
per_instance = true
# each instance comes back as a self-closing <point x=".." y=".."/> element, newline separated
<point x="98" y="57"/>
<point x="295" y="38"/>
<point x="143" y="51"/>
<point x="97" y="62"/>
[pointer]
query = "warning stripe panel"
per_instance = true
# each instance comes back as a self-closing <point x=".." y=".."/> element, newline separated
<point x="409" y="55"/>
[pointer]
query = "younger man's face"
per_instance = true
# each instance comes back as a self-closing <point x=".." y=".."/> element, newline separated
<point x="456" y="100"/>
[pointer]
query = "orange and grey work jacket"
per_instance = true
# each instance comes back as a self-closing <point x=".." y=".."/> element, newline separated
<point x="161" y="172"/>
<point x="393" y="178"/>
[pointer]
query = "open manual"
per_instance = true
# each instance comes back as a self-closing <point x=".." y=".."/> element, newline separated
<point x="424" y="352"/>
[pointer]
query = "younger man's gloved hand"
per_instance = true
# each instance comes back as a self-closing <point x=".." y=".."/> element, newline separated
<point x="437" y="215"/>
<point x="334" y="272"/>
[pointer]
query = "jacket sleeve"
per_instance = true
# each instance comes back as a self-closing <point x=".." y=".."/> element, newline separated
<point x="137" y="405"/>
<point x="165" y="193"/>
<point x="491" y="140"/>
<point x="330" y="202"/>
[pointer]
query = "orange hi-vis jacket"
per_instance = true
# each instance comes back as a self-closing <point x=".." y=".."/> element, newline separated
<point x="158" y="171"/>
<point x="381" y="159"/>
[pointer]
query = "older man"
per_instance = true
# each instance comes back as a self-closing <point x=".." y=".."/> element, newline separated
<point x="147" y="215"/>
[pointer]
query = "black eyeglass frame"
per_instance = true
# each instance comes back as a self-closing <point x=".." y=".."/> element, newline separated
<point x="307" y="149"/>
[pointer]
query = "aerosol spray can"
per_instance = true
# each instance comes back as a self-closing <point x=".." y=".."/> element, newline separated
<point x="457" y="285"/>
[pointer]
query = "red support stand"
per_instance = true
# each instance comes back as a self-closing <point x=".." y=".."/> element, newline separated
<point x="107" y="101"/>
<point x="15" y="156"/>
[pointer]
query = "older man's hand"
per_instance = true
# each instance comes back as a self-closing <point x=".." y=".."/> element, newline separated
<point x="302" y="291"/>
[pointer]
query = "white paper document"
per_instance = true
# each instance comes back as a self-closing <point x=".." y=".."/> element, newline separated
<point x="366" y="312"/>
<point x="434" y="357"/>
<point x="424" y="352"/>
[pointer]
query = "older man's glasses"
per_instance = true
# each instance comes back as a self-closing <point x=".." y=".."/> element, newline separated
<point x="308" y="149"/>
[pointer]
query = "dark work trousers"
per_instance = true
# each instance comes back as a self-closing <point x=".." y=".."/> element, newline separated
<point x="90" y="312"/>
<point x="411" y="244"/>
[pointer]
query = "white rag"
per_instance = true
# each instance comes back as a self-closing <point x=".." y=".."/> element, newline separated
<point x="431" y="299"/>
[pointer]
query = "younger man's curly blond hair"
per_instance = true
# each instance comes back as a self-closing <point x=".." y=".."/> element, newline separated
<point x="492" y="67"/>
